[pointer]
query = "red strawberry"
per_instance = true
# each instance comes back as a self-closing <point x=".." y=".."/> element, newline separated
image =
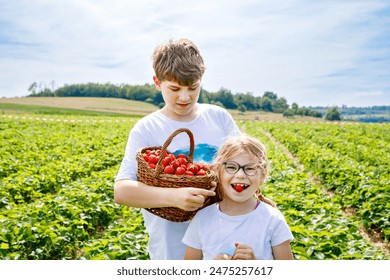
<point x="201" y="172"/>
<point x="189" y="173"/>
<point x="165" y="161"/>
<point x="169" y="169"/>
<point x="176" y="163"/>
<point x="182" y="160"/>
<point x="238" y="188"/>
<point x="193" y="168"/>
<point x="180" y="171"/>
<point x="153" y="158"/>
<point x="152" y="165"/>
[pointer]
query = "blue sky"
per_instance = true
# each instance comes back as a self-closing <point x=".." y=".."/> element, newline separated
<point x="310" y="52"/>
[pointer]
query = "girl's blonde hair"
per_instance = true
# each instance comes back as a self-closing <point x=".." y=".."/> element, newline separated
<point x="178" y="61"/>
<point x="243" y="144"/>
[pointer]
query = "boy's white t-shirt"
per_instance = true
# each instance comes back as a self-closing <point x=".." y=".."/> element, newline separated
<point x="214" y="232"/>
<point x="211" y="127"/>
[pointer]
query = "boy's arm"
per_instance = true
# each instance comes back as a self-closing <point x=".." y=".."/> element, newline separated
<point x="136" y="194"/>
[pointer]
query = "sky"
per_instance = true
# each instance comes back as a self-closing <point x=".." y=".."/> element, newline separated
<point x="313" y="53"/>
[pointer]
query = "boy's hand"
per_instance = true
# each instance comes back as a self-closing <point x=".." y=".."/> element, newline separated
<point x="190" y="199"/>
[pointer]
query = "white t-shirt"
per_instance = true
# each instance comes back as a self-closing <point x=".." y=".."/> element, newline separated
<point x="214" y="232"/>
<point x="212" y="126"/>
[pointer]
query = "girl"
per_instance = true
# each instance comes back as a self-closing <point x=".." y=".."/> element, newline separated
<point x="241" y="226"/>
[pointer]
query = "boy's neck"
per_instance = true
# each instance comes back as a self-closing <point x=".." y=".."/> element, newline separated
<point x="181" y="118"/>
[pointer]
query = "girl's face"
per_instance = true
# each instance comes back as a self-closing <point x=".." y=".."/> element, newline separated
<point x="240" y="187"/>
<point x="180" y="101"/>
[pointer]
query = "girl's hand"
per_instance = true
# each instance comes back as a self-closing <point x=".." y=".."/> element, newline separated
<point x="223" y="257"/>
<point x="243" y="252"/>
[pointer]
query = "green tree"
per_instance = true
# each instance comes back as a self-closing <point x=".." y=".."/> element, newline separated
<point x="33" y="88"/>
<point x="333" y="114"/>
<point x="289" y="113"/>
<point x="280" y="105"/>
<point x="226" y="98"/>
<point x="266" y="104"/>
<point x="241" y="108"/>
<point x="270" y="95"/>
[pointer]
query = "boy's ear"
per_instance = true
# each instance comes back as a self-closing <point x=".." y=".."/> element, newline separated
<point x="157" y="83"/>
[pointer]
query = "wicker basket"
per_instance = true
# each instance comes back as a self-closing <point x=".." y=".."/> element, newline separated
<point x="156" y="177"/>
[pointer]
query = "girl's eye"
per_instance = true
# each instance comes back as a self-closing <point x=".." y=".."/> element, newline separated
<point x="231" y="168"/>
<point x="250" y="168"/>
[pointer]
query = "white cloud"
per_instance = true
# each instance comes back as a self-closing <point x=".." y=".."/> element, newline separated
<point x="312" y="53"/>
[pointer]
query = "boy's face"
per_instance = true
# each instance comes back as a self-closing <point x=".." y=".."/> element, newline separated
<point x="180" y="101"/>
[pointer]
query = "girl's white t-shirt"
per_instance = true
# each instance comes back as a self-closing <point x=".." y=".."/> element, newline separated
<point x="214" y="232"/>
<point x="211" y="127"/>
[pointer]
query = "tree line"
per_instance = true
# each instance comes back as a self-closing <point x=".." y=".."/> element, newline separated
<point x="268" y="102"/>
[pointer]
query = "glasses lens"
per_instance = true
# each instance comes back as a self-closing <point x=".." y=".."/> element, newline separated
<point x="231" y="167"/>
<point x="250" y="169"/>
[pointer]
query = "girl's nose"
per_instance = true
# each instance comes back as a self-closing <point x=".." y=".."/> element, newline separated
<point x="240" y="173"/>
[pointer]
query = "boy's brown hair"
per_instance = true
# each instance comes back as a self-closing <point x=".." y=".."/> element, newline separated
<point x="179" y="61"/>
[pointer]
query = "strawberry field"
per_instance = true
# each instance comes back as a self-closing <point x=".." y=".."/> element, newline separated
<point x="331" y="181"/>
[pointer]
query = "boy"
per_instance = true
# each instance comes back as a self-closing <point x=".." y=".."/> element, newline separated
<point x="179" y="68"/>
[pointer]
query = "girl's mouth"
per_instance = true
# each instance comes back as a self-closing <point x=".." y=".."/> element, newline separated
<point x="239" y="187"/>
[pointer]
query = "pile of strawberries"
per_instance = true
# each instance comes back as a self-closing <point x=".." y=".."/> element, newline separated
<point x="175" y="165"/>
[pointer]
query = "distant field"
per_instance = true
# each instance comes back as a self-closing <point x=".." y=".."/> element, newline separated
<point x="110" y="106"/>
<point x="81" y="105"/>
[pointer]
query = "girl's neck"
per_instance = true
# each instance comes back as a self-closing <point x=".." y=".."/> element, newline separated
<point x="233" y="208"/>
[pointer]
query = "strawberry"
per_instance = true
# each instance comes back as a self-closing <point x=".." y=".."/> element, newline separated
<point x="152" y="165"/>
<point x="183" y="160"/>
<point x="189" y="173"/>
<point x="193" y="168"/>
<point x="238" y="188"/>
<point x="166" y="161"/>
<point x="201" y="172"/>
<point x="153" y="158"/>
<point x="181" y="156"/>
<point x="169" y="169"/>
<point x="176" y="163"/>
<point x="180" y="170"/>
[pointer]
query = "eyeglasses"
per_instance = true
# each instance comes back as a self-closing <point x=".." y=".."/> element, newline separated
<point x="249" y="169"/>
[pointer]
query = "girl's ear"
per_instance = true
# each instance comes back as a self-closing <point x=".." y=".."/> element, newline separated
<point x="157" y="83"/>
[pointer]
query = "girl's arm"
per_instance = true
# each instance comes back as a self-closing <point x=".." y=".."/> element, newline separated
<point x="282" y="251"/>
<point x="193" y="254"/>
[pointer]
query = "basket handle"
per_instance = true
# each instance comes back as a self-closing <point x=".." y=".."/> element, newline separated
<point x="159" y="167"/>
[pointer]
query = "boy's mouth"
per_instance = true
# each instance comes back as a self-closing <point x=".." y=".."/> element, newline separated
<point x="239" y="187"/>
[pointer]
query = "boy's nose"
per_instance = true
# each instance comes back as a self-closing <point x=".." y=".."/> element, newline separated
<point x="184" y="95"/>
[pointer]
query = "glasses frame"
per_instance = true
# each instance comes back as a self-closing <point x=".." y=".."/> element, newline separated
<point x="242" y="167"/>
